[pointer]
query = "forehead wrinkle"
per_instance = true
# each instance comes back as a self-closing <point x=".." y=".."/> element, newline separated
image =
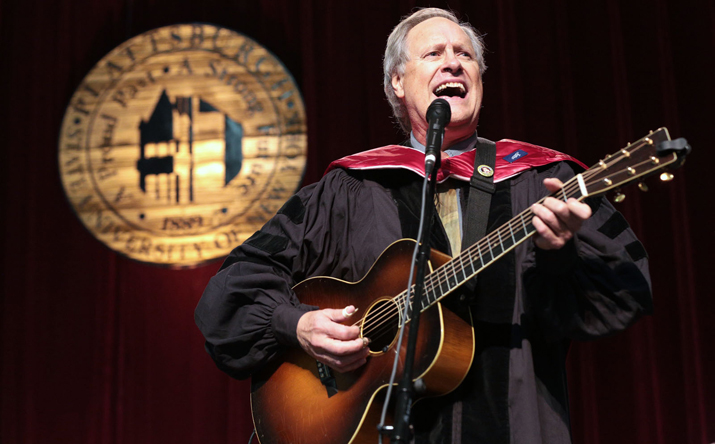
<point x="438" y="40"/>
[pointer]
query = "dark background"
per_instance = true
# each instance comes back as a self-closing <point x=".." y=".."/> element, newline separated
<point x="97" y="348"/>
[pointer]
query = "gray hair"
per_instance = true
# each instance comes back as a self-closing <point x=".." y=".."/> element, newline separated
<point x="396" y="55"/>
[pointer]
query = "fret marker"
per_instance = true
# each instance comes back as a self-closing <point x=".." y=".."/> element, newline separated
<point x="582" y="185"/>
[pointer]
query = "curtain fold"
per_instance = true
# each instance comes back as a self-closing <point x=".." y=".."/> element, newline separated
<point x="97" y="348"/>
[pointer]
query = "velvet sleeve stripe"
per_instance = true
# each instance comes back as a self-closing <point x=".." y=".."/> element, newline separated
<point x="615" y="225"/>
<point x="636" y="251"/>
<point x="594" y="202"/>
<point x="269" y="243"/>
<point x="294" y="210"/>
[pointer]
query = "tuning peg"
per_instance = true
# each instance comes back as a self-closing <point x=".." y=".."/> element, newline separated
<point x="620" y="197"/>
<point x="666" y="177"/>
<point x="642" y="186"/>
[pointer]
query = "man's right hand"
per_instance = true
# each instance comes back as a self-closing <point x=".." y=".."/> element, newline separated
<point x="323" y="337"/>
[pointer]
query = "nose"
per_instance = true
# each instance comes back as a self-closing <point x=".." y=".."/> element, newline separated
<point x="452" y="63"/>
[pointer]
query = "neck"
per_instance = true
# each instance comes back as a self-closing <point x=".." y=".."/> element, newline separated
<point x="451" y="137"/>
<point x="452" y="149"/>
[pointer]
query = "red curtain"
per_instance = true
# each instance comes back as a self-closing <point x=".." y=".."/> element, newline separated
<point x="97" y="348"/>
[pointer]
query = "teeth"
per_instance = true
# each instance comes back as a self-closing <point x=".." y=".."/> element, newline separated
<point x="450" y="85"/>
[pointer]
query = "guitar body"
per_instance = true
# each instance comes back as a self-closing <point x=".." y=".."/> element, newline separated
<point x="290" y="403"/>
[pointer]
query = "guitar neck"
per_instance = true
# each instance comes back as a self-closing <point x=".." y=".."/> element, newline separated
<point x="473" y="260"/>
<point x="634" y="162"/>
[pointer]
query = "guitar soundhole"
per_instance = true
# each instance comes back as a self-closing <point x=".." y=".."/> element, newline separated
<point x="381" y="325"/>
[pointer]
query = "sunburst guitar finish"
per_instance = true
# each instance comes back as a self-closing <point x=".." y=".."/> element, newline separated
<point x="291" y="404"/>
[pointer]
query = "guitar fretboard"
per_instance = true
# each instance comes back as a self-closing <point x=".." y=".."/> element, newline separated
<point x="634" y="162"/>
<point x="479" y="256"/>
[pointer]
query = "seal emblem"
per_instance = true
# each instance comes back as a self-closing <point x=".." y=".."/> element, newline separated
<point x="181" y="142"/>
<point x="485" y="170"/>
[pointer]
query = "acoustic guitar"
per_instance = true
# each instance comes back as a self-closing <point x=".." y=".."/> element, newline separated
<point x="299" y="400"/>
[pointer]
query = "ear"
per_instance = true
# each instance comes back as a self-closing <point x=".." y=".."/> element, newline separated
<point x="397" y="86"/>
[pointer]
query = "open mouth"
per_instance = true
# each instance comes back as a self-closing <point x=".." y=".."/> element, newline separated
<point x="451" y="89"/>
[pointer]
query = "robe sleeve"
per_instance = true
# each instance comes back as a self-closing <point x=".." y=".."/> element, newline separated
<point x="248" y="312"/>
<point x="597" y="284"/>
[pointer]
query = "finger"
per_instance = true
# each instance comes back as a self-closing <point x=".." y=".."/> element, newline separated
<point x="553" y="184"/>
<point x="556" y="216"/>
<point x="344" y="348"/>
<point x="579" y="209"/>
<point x="571" y="214"/>
<point x="546" y="238"/>
<point x="337" y="330"/>
<point x="341" y="315"/>
<point x="319" y="325"/>
<point x="316" y="329"/>
<point x="571" y="209"/>
<point x="341" y="332"/>
<point x="348" y="311"/>
<point x="330" y="347"/>
<point x="558" y="207"/>
<point x="346" y="363"/>
<point x="353" y="366"/>
<point x="551" y="213"/>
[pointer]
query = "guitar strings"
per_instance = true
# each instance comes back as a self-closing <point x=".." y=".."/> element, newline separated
<point x="375" y="326"/>
<point x="440" y="275"/>
<point x="433" y="280"/>
<point x="375" y="322"/>
<point x="507" y="229"/>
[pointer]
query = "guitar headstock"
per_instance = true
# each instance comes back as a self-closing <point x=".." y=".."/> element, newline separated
<point x="647" y="156"/>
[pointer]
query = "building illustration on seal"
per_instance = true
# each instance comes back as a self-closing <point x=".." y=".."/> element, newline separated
<point x="189" y="129"/>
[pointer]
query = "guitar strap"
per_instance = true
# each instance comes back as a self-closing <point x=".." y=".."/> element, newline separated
<point x="481" y="189"/>
<point x="480" y="193"/>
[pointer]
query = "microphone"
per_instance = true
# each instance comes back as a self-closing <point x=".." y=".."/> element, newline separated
<point x="438" y="116"/>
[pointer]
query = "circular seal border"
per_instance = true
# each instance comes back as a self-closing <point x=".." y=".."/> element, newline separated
<point x="284" y="137"/>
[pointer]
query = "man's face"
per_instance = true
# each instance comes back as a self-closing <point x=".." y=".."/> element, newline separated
<point x="442" y="63"/>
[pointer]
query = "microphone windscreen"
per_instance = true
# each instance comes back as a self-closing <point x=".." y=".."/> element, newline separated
<point x="439" y="112"/>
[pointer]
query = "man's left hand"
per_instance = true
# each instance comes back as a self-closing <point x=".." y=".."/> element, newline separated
<point x="556" y="221"/>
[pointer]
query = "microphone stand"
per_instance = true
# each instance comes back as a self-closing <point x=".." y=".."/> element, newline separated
<point x="406" y="388"/>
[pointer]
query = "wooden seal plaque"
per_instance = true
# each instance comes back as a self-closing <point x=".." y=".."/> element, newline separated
<point x="181" y="142"/>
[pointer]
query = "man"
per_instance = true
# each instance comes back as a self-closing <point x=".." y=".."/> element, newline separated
<point x="583" y="276"/>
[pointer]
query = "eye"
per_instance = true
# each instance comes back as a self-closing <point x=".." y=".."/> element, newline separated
<point x="434" y="53"/>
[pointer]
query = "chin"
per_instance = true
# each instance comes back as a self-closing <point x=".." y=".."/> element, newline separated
<point x="466" y="125"/>
<point x="463" y="119"/>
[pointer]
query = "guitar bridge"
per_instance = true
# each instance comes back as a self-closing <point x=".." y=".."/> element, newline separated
<point x="327" y="379"/>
